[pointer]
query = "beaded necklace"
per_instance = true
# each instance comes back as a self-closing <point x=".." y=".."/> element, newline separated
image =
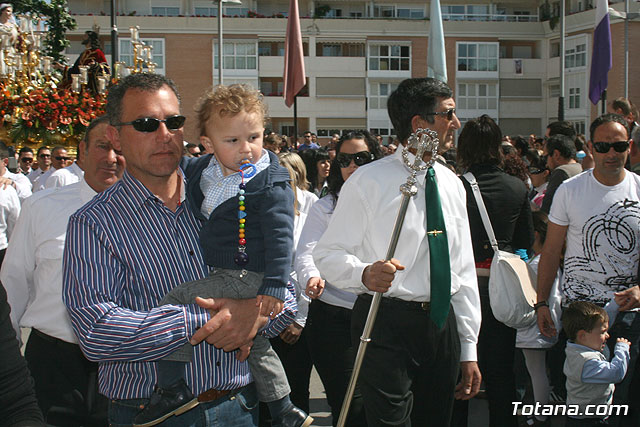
<point x="247" y="170"/>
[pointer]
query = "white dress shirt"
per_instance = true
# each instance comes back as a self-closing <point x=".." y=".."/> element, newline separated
<point x="40" y="178"/>
<point x="316" y="224"/>
<point x="32" y="268"/>
<point x="9" y="212"/>
<point x="360" y="231"/>
<point x="65" y="176"/>
<point x="23" y="185"/>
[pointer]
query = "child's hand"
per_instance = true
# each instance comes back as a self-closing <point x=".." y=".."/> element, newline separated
<point x="270" y="306"/>
<point x="624" y="340"/>
<point x="243" y="352"/>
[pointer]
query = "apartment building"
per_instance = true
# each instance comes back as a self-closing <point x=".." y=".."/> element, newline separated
<point x="503" y="57"/>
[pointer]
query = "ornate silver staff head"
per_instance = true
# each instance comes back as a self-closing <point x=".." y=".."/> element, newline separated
<point x="423" y="141"/>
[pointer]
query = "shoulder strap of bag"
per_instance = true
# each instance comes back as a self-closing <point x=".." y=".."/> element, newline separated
<point x="482" y="208"/>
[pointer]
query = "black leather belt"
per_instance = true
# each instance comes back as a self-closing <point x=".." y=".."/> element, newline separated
<point x="399" y="303"/>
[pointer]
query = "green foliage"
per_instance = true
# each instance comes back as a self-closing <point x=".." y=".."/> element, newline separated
<point x="56" y="14"/>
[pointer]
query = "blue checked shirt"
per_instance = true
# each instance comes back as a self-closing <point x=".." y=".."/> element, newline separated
<point x="124" y="251"/>
<point x="218" y="188"/>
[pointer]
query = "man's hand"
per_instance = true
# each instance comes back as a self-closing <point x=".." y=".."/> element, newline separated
<point x="378" y="276"/>
<point x="315" y="287"/>
<point x="469" y="385"/>
<point x="233" y="323"/>
<point x="269" y="306"/>
<point x="628" y="299"/>
<point x="291" y="335"/>
<point x="545" y="322"/>
<point x="4" y="182"/>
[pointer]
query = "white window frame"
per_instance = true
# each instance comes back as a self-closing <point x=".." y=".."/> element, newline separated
<point x="153" y="41"/>
<point x="575" y="98"/>
<point x="375" y="94"/>
<point x="463" y="96"/>
<point x="477" y="56"/>
<point x="575" y="54"/>
<point x="158" y="11"/>
<point x="235" y="44"/>
<point x="389" y="57"/>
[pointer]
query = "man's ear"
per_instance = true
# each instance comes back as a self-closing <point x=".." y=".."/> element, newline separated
<point x="208" y="145"/>
<point x="113" y="135"/>
<point x="419" y="122"/>
<point x="590" y="147"/>
<point x="6" y="162"/>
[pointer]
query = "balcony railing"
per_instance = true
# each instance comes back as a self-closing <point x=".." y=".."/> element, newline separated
<point x="488" y="17"/>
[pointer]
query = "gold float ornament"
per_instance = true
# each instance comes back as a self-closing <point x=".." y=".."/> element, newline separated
<point x="34" y="111"/>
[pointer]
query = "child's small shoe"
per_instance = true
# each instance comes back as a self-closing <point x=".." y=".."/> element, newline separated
<point x="294" y="417"/>
<point x="165" y="402"/>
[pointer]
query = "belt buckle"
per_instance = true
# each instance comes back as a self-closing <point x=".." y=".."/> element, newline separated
<point x="425" y="305"/>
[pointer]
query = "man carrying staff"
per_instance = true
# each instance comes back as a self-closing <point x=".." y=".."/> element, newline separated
<point x="429" y="317"/>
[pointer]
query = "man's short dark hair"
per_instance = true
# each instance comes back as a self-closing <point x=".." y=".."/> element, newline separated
<point x="608" y="118"/>
<point x="521" y="144"/>
<point x="622" y="104"/>
<point x="563" y="144"/>
<point x="57" y="148"/>
<point x="582" y="316"/>
<point x="146" y="82"/>
<point x="415" y="97"/>
<point x="44" y="147"/>
<point x="4" y="151"/>
<point x="25" y="150"/>
<point x="94" y="123"/>
<point x="562" y="128"/>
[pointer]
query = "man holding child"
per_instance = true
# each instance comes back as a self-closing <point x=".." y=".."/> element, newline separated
<point x="129" y="247"/>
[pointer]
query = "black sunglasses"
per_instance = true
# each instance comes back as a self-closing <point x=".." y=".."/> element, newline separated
<point x="27" y="159"/>
<point x="150" y="124"/>
<point x="535" y="171"/>
<point x="60" y="158"/>
<point x="44" y="156"/>
<point x="449" y="113"/>
<point x="361" y="158"/>
<point x="604" y="147"/>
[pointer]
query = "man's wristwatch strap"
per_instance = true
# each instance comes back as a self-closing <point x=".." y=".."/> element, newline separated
<point x="537" y="305"/>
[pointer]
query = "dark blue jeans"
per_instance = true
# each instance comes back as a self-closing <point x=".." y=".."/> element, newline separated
<point x="239" y="409"/>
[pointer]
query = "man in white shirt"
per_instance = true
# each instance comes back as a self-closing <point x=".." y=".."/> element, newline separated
<point x="66" y="176"/>
<point x="32" y="275"/>
<point x="59" y="160"/>
<point x="9" y="205"/>
<point x="598" y="214"/>
<point x="44" y="164"/>
<point x="411" y="366"/>
<point x="18" y="181"/>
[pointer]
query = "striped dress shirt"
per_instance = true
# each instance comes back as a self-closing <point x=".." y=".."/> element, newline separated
<point x="124" y="251"/>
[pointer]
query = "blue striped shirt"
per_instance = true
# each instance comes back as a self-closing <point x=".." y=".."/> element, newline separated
<point x="124" y="251"/>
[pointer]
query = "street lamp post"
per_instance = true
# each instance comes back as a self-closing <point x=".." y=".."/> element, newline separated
<point x="220" y="43"/>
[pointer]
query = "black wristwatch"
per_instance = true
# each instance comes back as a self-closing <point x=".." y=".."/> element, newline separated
<point x="537" y="305"/>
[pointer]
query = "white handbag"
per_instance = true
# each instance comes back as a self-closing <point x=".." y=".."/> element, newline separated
<point x="511" y="292"/>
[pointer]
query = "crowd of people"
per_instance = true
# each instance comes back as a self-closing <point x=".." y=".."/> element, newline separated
<point x="190" y="284"/>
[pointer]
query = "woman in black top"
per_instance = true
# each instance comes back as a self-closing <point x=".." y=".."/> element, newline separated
<point x="505" y="198"/>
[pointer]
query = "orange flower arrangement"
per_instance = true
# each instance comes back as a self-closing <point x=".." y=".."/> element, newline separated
<point x="44" y="114"/>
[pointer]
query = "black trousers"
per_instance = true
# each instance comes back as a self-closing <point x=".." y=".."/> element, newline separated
<point x="297" y="364"/>
<point x="329" y="338"/>
<point x="65" y="382"/>
<point x="410" y="368"/>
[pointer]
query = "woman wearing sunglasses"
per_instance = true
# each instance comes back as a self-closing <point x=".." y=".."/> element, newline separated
<point x="329" y="319"/>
